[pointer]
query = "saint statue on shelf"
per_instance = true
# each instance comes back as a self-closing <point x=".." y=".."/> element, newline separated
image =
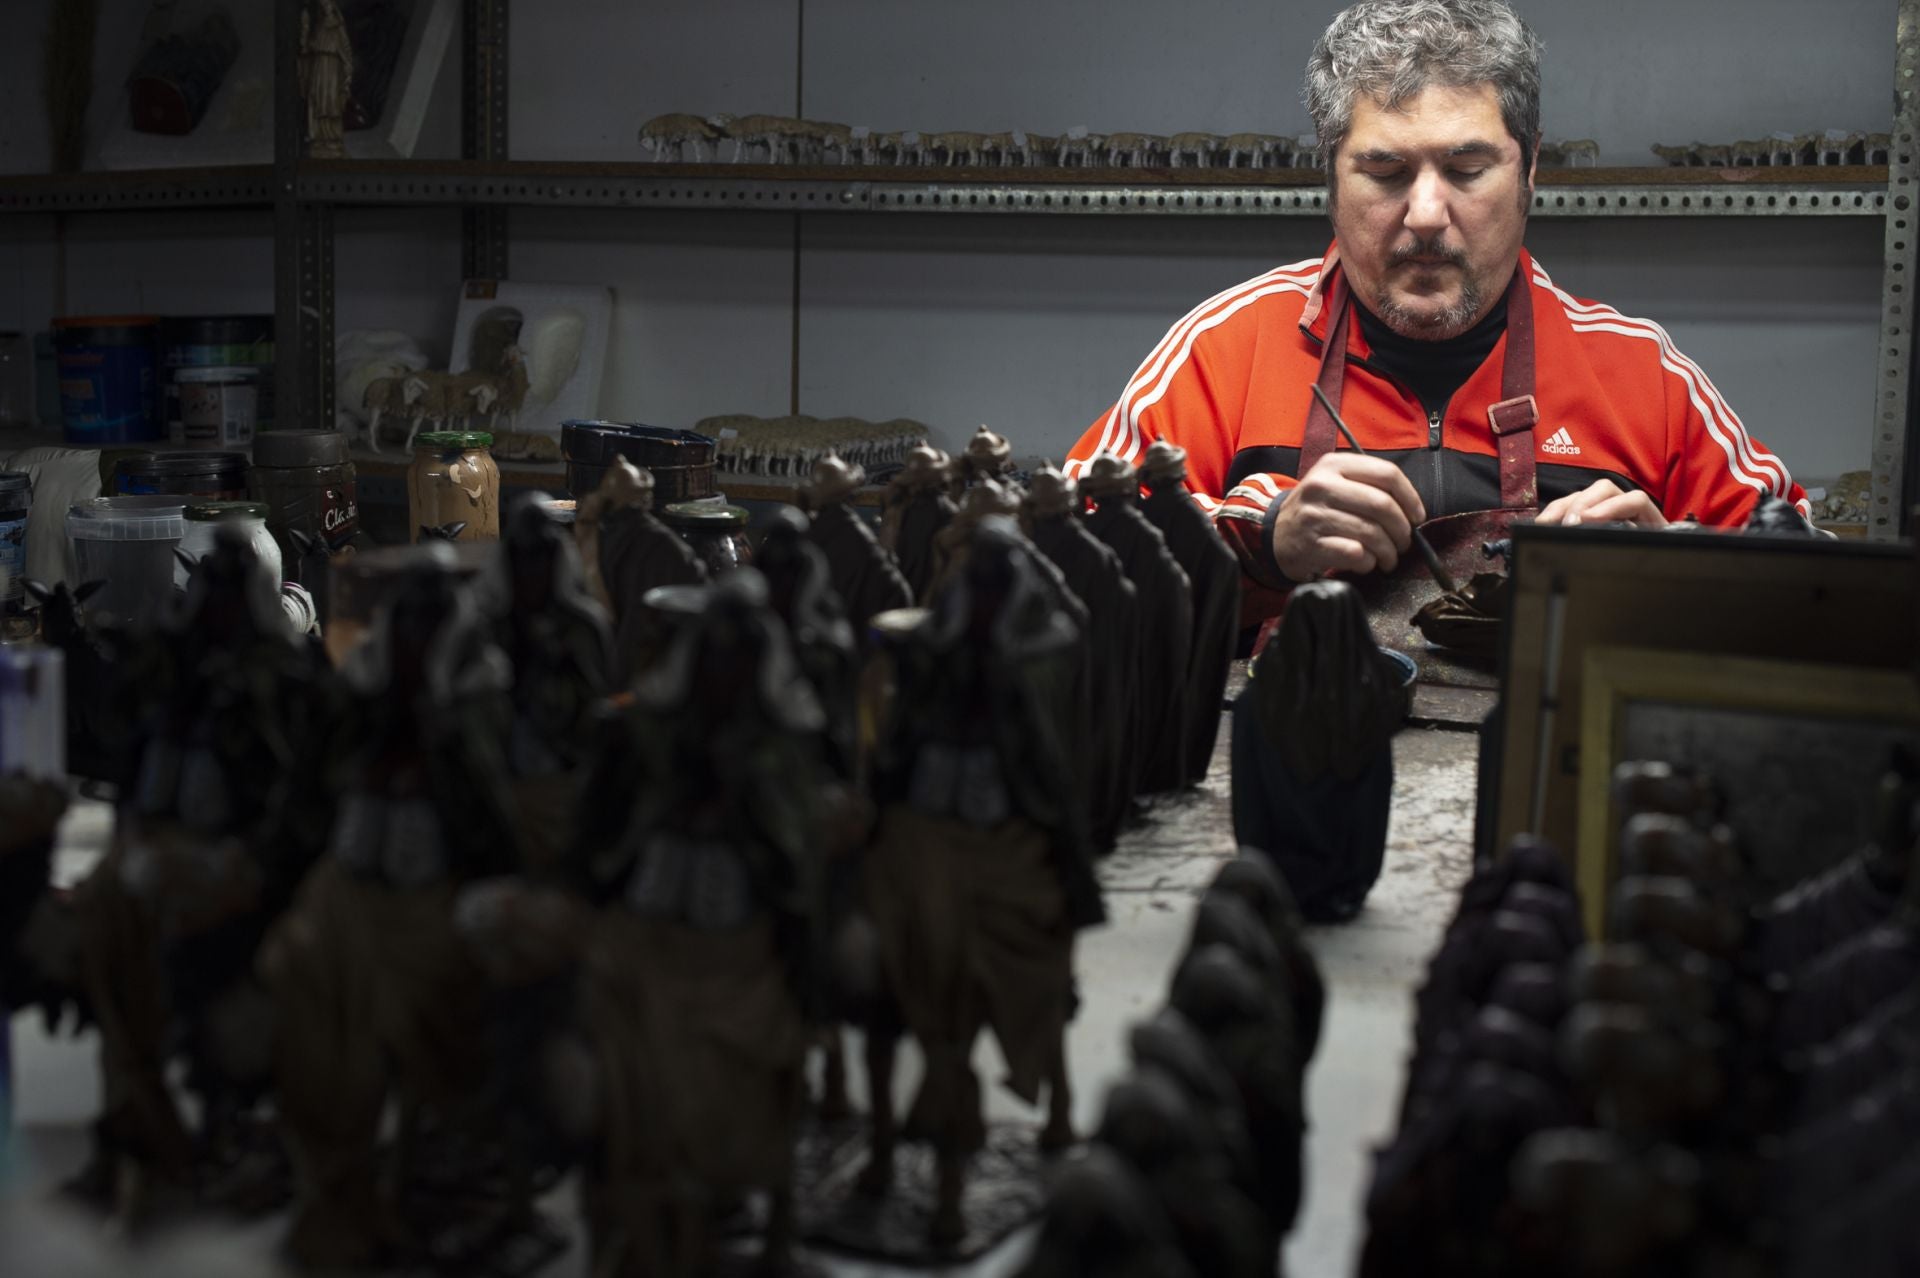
<point x="326" y="69"/>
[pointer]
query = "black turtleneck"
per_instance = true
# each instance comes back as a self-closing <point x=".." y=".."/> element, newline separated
<point x="1432" y="370"/>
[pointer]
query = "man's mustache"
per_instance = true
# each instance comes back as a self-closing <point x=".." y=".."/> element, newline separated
<point x="1428" y="251"/>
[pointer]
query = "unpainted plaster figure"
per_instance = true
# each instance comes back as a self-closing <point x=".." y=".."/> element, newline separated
<point x="559" y="644"/>
<point x="1214" y="574"/>
<point x="1052" y="520"/>
<point x="916" y="507"/>
<point x="627" y="552"/>
<point x="702" y="839"/>
<point x="1166" y="621"/>
<point x="378" y="995"/>
<point x="863" y="572"/>
<point x="326" y="77"/>
<point x="979" y="875"/>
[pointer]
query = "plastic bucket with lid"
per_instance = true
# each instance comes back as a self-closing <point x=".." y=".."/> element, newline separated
<point x="109" y="378"/>
<point x="127" y="543"/>
<point x="209" y="476"/>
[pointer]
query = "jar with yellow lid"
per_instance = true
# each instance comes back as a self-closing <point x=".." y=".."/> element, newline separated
<point x="453" y="481"/>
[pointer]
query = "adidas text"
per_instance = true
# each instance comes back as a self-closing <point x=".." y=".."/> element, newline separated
<point x="1561" y="444"/>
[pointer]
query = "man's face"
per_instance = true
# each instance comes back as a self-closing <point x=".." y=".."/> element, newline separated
<point x="1430" y="202"/>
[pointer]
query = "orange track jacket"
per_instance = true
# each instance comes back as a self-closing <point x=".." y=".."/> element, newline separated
<point x="1232" y="382"/>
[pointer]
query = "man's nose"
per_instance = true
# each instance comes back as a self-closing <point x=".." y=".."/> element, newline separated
<point x="1427" y="210"/>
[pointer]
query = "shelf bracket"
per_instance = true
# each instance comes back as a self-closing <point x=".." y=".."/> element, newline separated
<point x="483" y="133"/>
<point x="1896" y="436"/>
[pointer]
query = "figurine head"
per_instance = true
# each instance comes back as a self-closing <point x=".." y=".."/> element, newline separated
<point x="1051" y="495"/>
<point x="988" y="497"/>
<point x="1107" y="477"/>
<point x="231" y="596"/>
<point x="541" y="561"/>
<point x="988" y="453"/>
<point x="625" y="486"/>
<point x="832" y="482"/>
<point x="1165" y="463"/>
<point x="927" y="469"/>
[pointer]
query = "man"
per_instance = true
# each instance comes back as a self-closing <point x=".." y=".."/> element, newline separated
<point x="1428" y="326"/>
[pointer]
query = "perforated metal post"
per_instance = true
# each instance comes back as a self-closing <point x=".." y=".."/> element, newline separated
<point x="1896" y="439"/>
<point x="303" y="249"/>
<point x="483" y="132"/>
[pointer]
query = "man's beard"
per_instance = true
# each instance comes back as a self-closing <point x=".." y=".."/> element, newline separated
<point x="1426" y="326"/>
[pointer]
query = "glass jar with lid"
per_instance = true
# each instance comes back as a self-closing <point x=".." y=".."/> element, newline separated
<point x="716" y="531"/>
<point x="204" y="523"/>
<point x="453" y="480"/>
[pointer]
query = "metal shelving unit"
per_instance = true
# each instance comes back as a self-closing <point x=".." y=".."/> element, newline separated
<point x="485" y="185"/>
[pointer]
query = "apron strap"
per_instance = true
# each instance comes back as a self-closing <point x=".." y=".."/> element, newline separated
<point x="1320" y="436"/>
<point x="1517" y="413"/>
<point x="1512" y="419"/>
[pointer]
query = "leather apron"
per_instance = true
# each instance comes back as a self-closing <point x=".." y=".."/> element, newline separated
<point x="1393" y="598"/>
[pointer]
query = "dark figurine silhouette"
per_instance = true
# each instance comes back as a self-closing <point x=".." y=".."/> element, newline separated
<point x="1051" y="517"/>
<point x="627" y="552"/>
<point x="917" y="505"/>
<point x="979" y="876"/>
<point x="1215" y="577"/>
<point x="863" y="572"/>
<point x="1166" y="622"/>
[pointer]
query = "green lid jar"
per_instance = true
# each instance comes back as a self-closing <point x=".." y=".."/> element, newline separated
<point x="453" y="480"/>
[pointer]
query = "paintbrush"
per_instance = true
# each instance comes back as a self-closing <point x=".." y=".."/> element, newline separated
<point x="1427" y="552"/>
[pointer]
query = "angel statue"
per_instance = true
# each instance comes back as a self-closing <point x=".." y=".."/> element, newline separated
<point x="326" y="72"/>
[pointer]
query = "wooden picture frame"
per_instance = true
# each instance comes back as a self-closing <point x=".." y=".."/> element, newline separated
<point x="1786" y="599"/>
<point x="1797" y="747"/>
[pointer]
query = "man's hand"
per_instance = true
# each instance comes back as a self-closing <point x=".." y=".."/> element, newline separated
<point x="1350" y="513"/>
<point x="1603" y="502"/>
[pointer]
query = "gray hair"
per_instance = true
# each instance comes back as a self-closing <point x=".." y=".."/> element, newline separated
<point x="1393" y="49"/>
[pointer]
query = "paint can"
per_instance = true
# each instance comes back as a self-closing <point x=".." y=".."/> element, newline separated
<point x="218" y="406"/>
<point x="109" y="378"/>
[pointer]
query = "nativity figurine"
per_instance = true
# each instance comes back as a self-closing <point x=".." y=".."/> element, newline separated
<point x="918" y="504"/>
<point x="626" y="552"/>
<point x="862" y="571"/>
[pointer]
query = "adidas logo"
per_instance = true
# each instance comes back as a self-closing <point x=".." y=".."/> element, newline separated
<point x="1561" y="444"/>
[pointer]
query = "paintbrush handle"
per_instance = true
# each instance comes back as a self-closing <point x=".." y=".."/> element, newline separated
<point x="1427" y="552"/>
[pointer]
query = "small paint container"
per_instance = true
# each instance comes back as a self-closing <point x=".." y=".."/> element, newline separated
<point x="219" y="407"/>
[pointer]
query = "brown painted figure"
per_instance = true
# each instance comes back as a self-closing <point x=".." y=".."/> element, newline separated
<point x="213" y="829"/>
<point x="560" y="648"/>
<point x="863" y="571"/>
<point x="701" y="840"/>
<point x="979" y="875"/>
<point x="1215" y="576"/>
<point x="917" y="506"/>
<point x="1052" y="520"/>
<point x="379" y="997"/>
<point x="987" y="456"/>
<point x="1166" y="621"/>
<point x="627" y="552"/>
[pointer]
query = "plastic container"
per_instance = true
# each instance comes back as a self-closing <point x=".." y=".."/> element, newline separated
<point x="204" y="523"/>
<point x="217" y="406"/>
<point x="716" y="531"/>
<point x="217" y="341"/>
<point x="109" y="378"/>
<point x="681" y="461"/>
<point x="307" y="480"/>
<point x="16" y="380"/>
<point x="127" y="543"/>
<point x="453" y="480"/>
<point x="16" y="499"/>
<point x="209" y="476"/>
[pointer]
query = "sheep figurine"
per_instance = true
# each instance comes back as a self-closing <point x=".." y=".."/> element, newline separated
<point x="679" y="137"/>
<point x="783" y="137"/>
<point x="1580" y="153"/>
<point x="1877" y="148"/>
<point x="1199" y="150"/>
<point x="1678" y="156"/>
<point x="1079" y="147"/>
<point x="840" y="140"/>
<point x="1001" y="148"/>
<point x="396" y="395"/>
<point x="1136" y="150"/>
<point x="1837" y="146"/>
<point x="954" y="148"/>
<point x="1255" y="148"/>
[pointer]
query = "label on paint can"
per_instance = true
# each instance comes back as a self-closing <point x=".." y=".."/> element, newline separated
<point x="218" y="406"/>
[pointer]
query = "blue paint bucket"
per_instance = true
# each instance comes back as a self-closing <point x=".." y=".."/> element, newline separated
<point x="109" y="379"/>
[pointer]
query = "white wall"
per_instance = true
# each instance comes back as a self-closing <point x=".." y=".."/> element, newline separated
<point x="1032" y="324"/>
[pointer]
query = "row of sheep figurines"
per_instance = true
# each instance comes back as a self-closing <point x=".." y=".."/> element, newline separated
<point x="775" y="139"/>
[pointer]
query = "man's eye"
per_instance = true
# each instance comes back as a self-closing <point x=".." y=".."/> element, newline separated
<point x="1385" y="175"/>
<point x="1467" y="175"/>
